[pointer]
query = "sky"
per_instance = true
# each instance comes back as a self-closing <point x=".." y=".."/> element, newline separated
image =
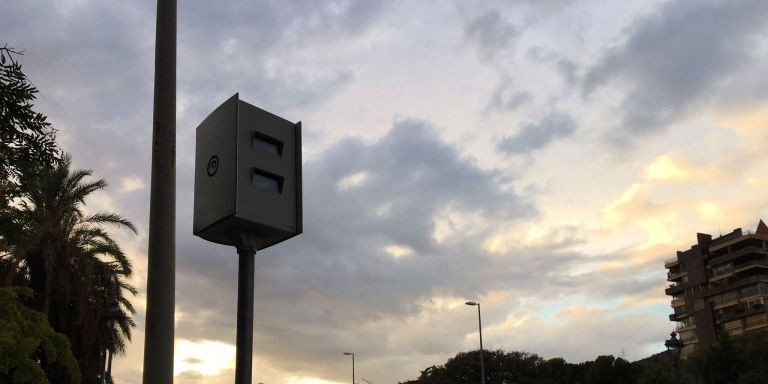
<point x="541" y="157"/>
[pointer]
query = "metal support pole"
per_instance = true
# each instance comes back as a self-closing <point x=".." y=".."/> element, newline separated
<point x="104" y="367"/>
<point x="480" y="326"/>
<point x="243" y="360"/>
<point x="109" y="366"/>
<point x="353" y="368"/>
<point x="161" y="253"/>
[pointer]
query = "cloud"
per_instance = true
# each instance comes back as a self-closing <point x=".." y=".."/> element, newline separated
<point x="570" y="329"/>
<point x="535" y="136"/>
<point x="674" y="60"/>
<point x="402" y="223"/>
<point x="492" y="32"/>
<point x="506" y="98"/>
<point x="359" y="272"/>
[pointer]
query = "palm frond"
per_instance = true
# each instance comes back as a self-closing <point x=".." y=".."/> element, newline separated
<point x="111" y="219"/>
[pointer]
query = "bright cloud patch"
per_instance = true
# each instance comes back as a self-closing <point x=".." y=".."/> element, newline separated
<point x="206" y="357"/>
<point x="398" y="251"/>
<point x="665" y="168"/>
<point x="709" y="211"/>
<point x="354" y="180"/>
<point x="306" y="380"/>
<point x="131" y="183"/>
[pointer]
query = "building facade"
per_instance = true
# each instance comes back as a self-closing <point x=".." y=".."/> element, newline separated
<point x="719" y="286"/>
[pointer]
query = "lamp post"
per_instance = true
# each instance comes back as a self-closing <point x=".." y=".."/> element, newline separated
<point x="111" y="317"/>
<point x="353" y="364"/>
<point x="161" y="245"/>
<point x="674" y="346"/>
<point x="480" y="327"/>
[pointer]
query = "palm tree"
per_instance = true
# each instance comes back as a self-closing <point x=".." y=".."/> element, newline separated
<point x="73" y="265"/>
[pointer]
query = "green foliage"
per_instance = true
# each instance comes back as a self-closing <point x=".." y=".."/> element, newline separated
<point x="27" y="139"/>
<point x="737" y="360"/>
<point x="74" y="267"/>
<point x="662" y="372"/>
<point x="740" y="360"/>
<point x="500" y="368"/>
<point x="28" y="344"/>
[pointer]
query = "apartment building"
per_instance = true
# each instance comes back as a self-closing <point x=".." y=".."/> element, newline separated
<point x="719" y="286"/>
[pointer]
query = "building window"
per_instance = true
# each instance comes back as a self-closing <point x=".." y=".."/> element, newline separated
<point x="685" y="323"/>
<point x="722" y="269"/>
<point x="756" y="320"/>
<point x="687" y="336"/>
<point x="753" y="302"/>
<point x="754" y="290"/>
<point x="724" y="297"/>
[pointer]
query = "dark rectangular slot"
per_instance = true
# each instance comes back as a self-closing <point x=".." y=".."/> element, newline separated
<point x="267" y="144"/>
<point x="266" y="181"/>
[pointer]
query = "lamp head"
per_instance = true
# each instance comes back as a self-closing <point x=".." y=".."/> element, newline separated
<point x="348" y="353"/>
<point x="472" y="303"/>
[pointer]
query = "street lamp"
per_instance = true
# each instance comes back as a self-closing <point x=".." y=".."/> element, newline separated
<point x="353" y="364"/>
<point x="675" y="347"/>
<point x="111" y="317"/>
<point x="480" y="327"/>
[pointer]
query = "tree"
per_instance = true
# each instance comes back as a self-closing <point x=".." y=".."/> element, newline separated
<point x="610" y="370"/>
<point x="72" y="264"/>
<point x="739" y="359"/>
<point x="27" y="139"/>
<point x="558" y="371"/>
<point x="28" y="344"/>
<point x="27" y="144"/>
<point x="500" y="368"/>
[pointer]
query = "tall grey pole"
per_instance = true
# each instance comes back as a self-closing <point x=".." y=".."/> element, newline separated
<point x="244" y="354"/>
<point x="480" y="326"/>
<point x="161" y="253"/>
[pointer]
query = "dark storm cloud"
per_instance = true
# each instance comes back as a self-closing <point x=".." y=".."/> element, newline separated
<point x="678" y="58"/>
<point x="537" y="135"/>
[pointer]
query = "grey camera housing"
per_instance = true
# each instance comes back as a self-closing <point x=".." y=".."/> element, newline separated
<point x="247" y="176"/>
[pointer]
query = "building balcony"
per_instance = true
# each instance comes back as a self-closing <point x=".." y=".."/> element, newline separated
<point x="678" y="301"/>
<point x="756" y="326"/>
<point x="678" y="316"/>
<point x="675" y="288"/>
<point x="736" y="254"/>
<point x="740" y="312"/>
<point x="721" y="276"/>
<point x="755" y="321"/>
<point x="672" y="276"/>
<point x="671" y="262"/>
<point x="684" y="327"/>
<point x="750" y="265"/>
<point x="737" y="283"/>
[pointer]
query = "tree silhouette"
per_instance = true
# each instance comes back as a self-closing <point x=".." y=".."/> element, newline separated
<point x="27" y="139"/>
<point x="75" y="268"/>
